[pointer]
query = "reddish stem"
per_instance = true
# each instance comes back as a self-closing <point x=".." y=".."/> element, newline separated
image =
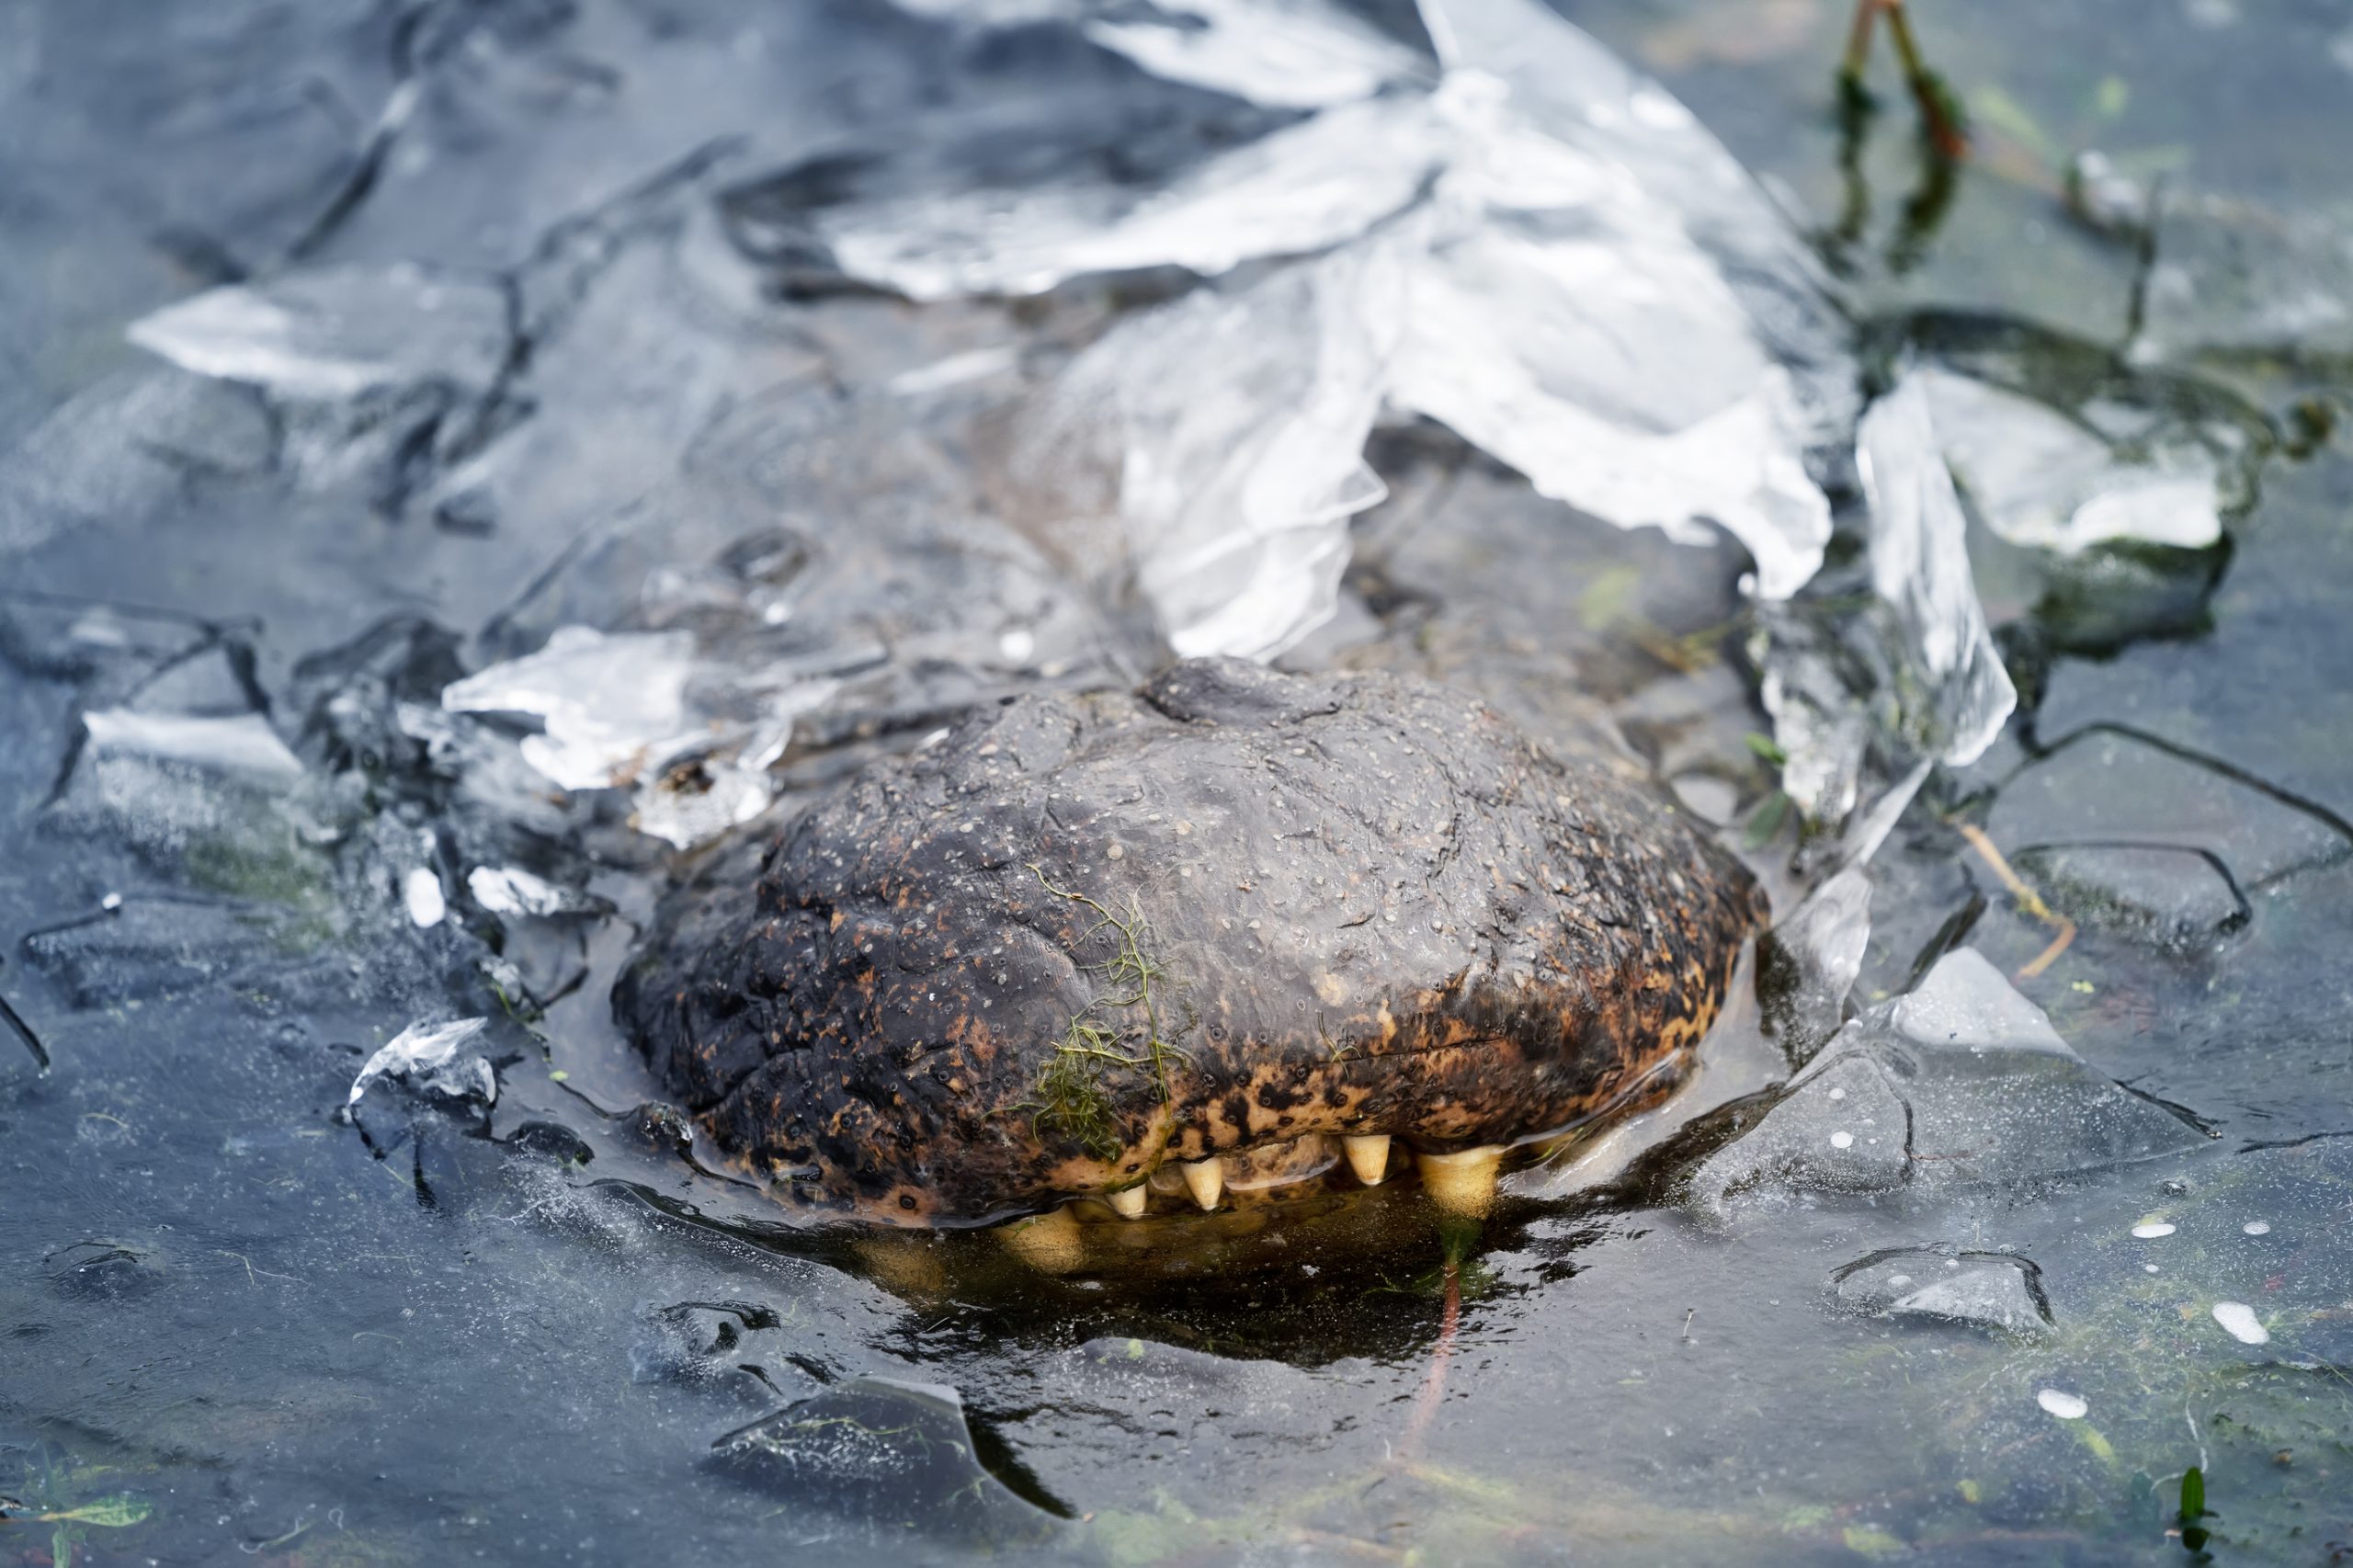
<point x="1433" y="1383"/>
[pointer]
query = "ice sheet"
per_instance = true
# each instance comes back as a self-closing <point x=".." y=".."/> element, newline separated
<point x="1242" y="422"/>
<point x="613" y="704"/>
<point x="333" y="334"/>
<point x="1279" y="54"/>
<point x="2038" y="477"/>
<point x="1960" y="1082"/>
<point x="1919" y="564"/>
<point x="1592" y="291"/>
<point x="1303" y="188"/>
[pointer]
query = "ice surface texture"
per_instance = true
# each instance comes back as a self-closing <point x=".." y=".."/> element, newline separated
<point x="1960" y="1082"/>
<point x="1534" y="245"/>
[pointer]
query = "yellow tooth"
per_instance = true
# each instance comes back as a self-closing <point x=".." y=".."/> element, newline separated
<point x="1368" y="1156"/>
<point x="1207" y="1180"/>
<point x="1128" y="1200"/>
<point x="1463" y="1182"/>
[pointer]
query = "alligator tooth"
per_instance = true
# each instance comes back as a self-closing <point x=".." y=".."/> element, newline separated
<point x="1463" y="1182"/>
<point x="1207" y="1180"/>
<point x="1368" y="1156"/>
<point x="1128" y="1201"/>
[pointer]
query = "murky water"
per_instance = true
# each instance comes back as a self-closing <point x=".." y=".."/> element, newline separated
<point x="571" y="366"/>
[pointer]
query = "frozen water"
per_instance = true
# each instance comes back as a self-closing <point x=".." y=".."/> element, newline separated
<point x="2111" y="785"/>
<point x="123" y="448"/>
<point x="241" y="744"/>
<point x="1300" y="189"/>
<point x="2122" y="835"/>
<point x="2038" y="477"/>
<point x="1984" y="1290"/>
<point x="1241" y="422"/>
<point x="613" y="704"/>
<point x="2233" y="275"/>
<point x="426" y="1058"/>
<point x="899" y="1448"/>
<point x="1920" y="560"/>
<point x="336" y="333"/>
<point x="1808" y="962"/>
<point x="1572" y="275"/>
<point x="1280" y="53"/>
<point x="2174" y="896"/>
<point x="1961" y="1080"/>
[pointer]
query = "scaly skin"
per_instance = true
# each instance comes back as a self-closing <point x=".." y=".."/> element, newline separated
<point x="1372" y="904"/>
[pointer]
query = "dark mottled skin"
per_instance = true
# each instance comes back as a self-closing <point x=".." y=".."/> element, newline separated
<point x="1379" y="908"/>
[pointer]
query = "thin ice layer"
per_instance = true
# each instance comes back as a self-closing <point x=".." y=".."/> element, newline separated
<point x="611" y="704"/>
<point x="337" y="332"/>
<point x="1278" y="53"/>
<point x="1919" y="564"/>
<point x="2038" y="477"/>
<point x="1302" y="190"/>
<point x="426" y="1057"/>
<point x="1962" y="1081"/>
<point x="1561" y="227"/>
<point x="1242" y="423"/>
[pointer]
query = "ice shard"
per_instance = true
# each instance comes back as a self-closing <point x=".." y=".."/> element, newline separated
<point x="1302" y="190"/>
<point x="1919" y="561"/>
<point x="1278" y="53"/>
<point x="334" y="334"/>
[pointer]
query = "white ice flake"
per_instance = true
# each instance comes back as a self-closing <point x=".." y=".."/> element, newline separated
<point x="239" y="744"/>
<point x="426" y="1057"/>
<point x="1280" y="53"/>
<point x="612" y="705"/>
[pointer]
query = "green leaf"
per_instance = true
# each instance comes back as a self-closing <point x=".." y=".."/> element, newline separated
<point x="1769" y="748"/>
<point x="1767" y="820"/>
<point x="61" y="1546"/>
<point x="115" y="1513"/>
<point x="2193" y="1495"/>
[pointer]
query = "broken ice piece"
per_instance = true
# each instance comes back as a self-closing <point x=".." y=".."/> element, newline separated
<point x="1984" y="1290"/>
<point x="611" y="704"/>
<point x="1277" y="53"/>
<point x="1298" y="190"/>
<point x="1962" y="1081"/>
<point x="2037" y="476"/>
<point x="900" y="1449"/>
<point x="421" y="892"/>
<point x="241" y="743"/>
<point x="1919" y="561"/>
<point x="1808" y="962"/>
<point x="426" y="1057"/>
<point x="337" y="333"/>
<point x="510" y="890"/>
